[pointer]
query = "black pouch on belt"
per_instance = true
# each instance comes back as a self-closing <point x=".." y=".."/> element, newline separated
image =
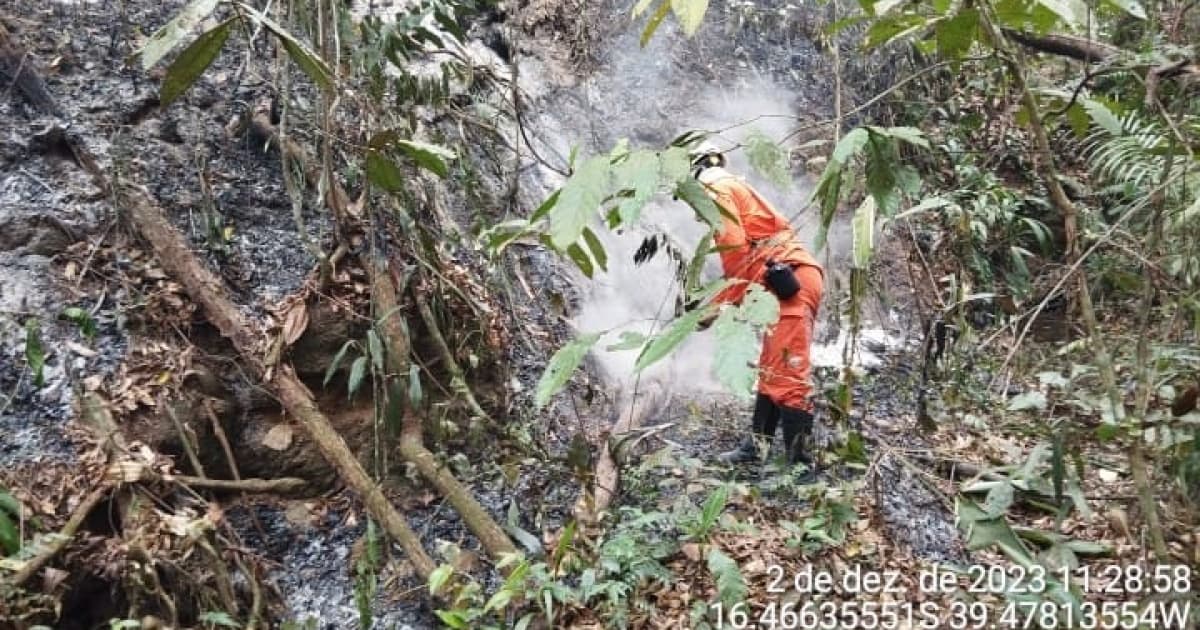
<point x="781" y="280"/>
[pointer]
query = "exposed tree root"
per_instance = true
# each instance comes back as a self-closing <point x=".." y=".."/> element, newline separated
<point x="208" y="291"/>
<point x="59" y="543"/>
<point x="129" y="472"/>
<point x="490" y="534"/>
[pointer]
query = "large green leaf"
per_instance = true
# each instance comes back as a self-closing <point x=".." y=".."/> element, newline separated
<point x="675" y="165"/>
<point x="731" y="586"/>
<point x="578" y="201"/>
<point x="165" y="39"/>
<point x="193" y="61"/>
<point x="893" y="27"/>
<point x="562" y="365"/>
<point x="1103" y="116"/>
<point x="982" y="531"/>
<point x="850" y="145"/>
<point x="696" y="196"/>
<point x="768" y="158"/>
<point x="956" y="35"/>
<point x="736" y="352"/>
<point x="383" y="172"/>
<point x="863" y="226"/>
<point x="638" y="173"/>
<point x="759" y="307"/>
<point x="690" y="14"/>
<point x="662" y="344"/>
<point x="309" y="61"/>
<point x="652" y="24"/>
<point x="428" y="156"/>
<point x="1132" y="7"/>
<point x="10" y="538"/>
<point x="1071" y="12"/>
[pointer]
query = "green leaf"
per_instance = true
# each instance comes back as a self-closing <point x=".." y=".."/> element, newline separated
<point x="893" y="27"/>
<point x="193" y="61"/>
<point x="309" y="62"/>
<point x="35" y="353"/>
<point x="768" y="158"/>
<point x="439" y="577"/>
<point x="337" y="361"/>
<point x="692" y="192"/>
<point x="453" y="619"/>
<point x="10" y="538"/>
<point x="911" y="135"/>
<point x="863" y="225"/>
<point x="731" y="586"/>
<point x="956" y="35"/>
<point x="562" y="365"/>
<point x="1132" y="7"/>
<point x="10" y="504"/>
<point x="639" y="172"/>
<point x="358" y="370"/>
<point x="640" y="7"/>
<point x="219" y="618"/>
<point x="596" y="248"/>
<point x="655" y="20"/>
<point x="982" y="532"/>
<point x="383" y="172"/>
<point x="690" y="14"/>
<point x="713" y="506"/>
<point x="998" y="500"/>
<point x="662" y="345"/>
<point x="1103" y="117"/>
<point x="430" y="157"/>
<point x="578" y="201"/>
<point x="1071" y="12"/>
<point x="165" y="39"/>
<point x="759" y="307"/>
<point x="1031" y="400"/>
<point x="581" y="259"/>
<point x="674" y="165"/>
<point x="629" y="340"/>
<point x="850" y="145"/>
<point x="546" y="206"/>
<point x="1078" y="117"/>
<point x="735" y="354"/>
<point x="375" y="347"/>
<point x="82" y="319"/>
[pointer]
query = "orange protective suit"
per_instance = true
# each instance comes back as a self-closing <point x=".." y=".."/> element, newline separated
<point x="761" y="234"/>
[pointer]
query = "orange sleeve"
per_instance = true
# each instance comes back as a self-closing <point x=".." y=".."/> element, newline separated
<point x="730" y="240"/>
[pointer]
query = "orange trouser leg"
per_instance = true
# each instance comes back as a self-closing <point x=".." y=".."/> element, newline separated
<point x="784" y="365"/>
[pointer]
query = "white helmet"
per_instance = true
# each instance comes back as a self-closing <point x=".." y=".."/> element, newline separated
<point x="703" y="150"/>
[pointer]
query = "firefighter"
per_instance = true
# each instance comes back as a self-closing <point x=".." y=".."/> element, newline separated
<point x="761" y="247"/>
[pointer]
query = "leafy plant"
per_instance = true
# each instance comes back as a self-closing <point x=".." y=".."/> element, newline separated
<point x="35" y="352"/>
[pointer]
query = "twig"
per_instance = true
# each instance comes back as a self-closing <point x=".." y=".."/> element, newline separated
<point x="183" y="436"/>
<point x="458" y="381"/>
<point x="65" y="535"/>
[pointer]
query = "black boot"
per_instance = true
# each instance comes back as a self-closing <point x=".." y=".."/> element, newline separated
<point x="797" y="437"/>
<point x="766" y="417"/>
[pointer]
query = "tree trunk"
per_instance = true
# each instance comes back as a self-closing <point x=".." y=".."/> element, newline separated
<point x="207" y="290"/>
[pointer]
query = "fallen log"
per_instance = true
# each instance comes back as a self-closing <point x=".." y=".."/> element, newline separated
<point x="1092" y="51"/>
<point x="207" y="290"/>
